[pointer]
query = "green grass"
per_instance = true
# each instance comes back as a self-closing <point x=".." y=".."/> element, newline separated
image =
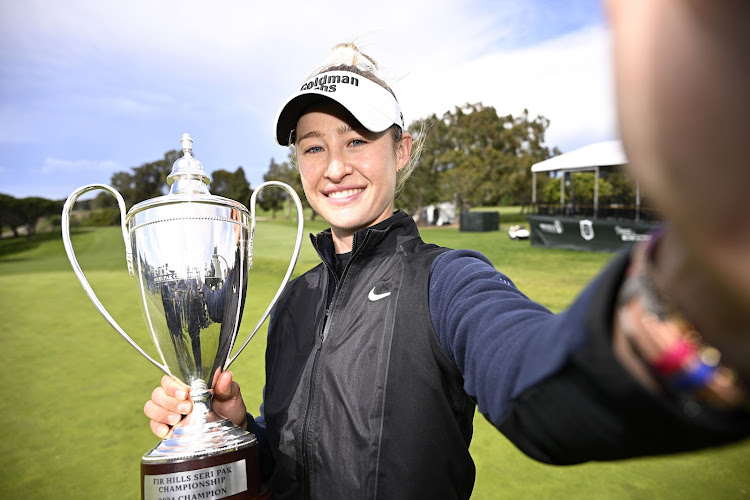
<point x="72" y="421"/>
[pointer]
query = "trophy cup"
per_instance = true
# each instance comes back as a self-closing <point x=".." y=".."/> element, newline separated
<point x="190" y="252"/>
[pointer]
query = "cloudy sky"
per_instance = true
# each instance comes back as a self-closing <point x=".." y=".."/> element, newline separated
<point x="89" y="87"/>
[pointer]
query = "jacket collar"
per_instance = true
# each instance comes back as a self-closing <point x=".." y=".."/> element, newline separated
<point x="383" y="236"/>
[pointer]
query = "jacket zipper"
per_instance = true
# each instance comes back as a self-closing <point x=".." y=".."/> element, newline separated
<point x="305" y="458"/>
<point x="307" y="493"/>
<point x="311" y="396"/>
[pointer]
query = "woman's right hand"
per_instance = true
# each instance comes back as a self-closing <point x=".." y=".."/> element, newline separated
<point x="171" y="401"/>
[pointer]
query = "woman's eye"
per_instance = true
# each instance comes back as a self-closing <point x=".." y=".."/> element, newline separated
<point x="313" y="149"/>
<point x="357" y="142"/>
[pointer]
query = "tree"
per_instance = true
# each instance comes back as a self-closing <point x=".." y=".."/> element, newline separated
<point x="287" y="173"/>
<point x="145" y="182"/>
<point x="124" y="182"/>
<point x="274" y="199"/>
<point x="232" y="185"/>
<point x="473" y="156"/>
<point x="26" y="212"/>
<point x="527" y="137"/>
<point x="615" y="189"/>
<point x="11" y="215"/>
<point x="620" y="189"/>
<point x="102" y="200"/>
<point x="294" y="179"/>
<point x="423" y="187"/>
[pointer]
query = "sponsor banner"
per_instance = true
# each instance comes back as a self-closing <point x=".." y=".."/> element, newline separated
<point x="586" y="234"/>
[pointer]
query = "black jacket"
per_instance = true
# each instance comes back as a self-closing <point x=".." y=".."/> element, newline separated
<point x="377" y="402"/>
<point x="361" y="401"/>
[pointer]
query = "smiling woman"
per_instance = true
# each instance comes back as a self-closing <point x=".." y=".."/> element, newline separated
<point x="345" y="177"/>
<point x="377" y="358"/>
<point x="352" y="149"/>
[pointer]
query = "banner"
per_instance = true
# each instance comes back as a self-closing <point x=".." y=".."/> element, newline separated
<point x="593" y="235"/>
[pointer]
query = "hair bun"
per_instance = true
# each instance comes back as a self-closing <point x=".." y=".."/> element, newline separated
<point x="349" y="54"/>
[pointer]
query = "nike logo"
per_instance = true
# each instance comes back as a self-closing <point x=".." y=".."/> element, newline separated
<point x="377" y="296"/>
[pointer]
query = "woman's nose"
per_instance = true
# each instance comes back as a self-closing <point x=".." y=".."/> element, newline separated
<point x="338" y="168"/>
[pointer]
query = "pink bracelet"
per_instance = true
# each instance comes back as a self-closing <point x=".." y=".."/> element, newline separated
<point x="687" y="366"/>
<point x="674" y="358"/>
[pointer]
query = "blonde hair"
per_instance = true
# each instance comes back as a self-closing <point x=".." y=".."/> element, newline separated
<point x="348" y="57"/>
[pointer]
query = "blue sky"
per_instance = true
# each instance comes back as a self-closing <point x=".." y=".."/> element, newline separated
<point x="89" y="88"/>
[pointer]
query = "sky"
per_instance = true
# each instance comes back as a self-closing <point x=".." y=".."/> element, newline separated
<point x="89" y="88"/>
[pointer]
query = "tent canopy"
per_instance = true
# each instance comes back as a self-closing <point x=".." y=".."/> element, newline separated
<point x="598" y="154"/>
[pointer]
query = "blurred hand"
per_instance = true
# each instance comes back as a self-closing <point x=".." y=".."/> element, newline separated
<point x="171" y="401"/>
<point x="682" y="92"/>
<point x="682" y="75"/>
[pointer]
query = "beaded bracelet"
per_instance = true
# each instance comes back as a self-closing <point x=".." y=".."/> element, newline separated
<point x="674" y="359"/>
<point x="686" y="365"/>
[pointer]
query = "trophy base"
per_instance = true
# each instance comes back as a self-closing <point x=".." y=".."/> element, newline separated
<point x="206" y="457"/>
<point x="226" y="475"/>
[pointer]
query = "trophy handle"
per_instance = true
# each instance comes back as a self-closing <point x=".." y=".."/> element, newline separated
<point x="292" y="263"/>
<point x="77" y="269"/>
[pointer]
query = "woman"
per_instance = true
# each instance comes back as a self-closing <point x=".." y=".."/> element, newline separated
<point x="377" y="357"/>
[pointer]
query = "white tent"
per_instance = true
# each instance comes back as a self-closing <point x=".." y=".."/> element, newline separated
<point x="599" y="154"/>
<point x="591" y="157"/>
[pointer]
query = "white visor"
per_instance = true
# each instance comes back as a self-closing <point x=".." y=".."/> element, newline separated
<point x="372" y="105"/>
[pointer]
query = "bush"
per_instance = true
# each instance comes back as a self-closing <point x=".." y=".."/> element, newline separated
<point x="55" y="221"/>
<point x="102" y="217"/>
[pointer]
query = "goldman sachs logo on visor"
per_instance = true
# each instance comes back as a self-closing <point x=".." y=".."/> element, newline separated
<point x="327" y="83"/>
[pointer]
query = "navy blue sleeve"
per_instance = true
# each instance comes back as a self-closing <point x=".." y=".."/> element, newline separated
<point x="258" y="427"/>
<point x="502" y="341"/>
<point x="551" y="382"/>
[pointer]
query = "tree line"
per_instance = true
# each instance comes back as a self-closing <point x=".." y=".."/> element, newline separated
<point x="471" y="156"/>
<point x="22" y="215"/>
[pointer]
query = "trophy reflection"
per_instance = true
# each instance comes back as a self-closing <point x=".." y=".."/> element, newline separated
<point x="190" y="252"/>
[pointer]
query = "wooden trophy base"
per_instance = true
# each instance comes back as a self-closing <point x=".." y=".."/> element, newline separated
<point x="229" y="475"/>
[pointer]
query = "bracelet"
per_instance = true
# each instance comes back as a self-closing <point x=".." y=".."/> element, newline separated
<point x="670" y="346"/>
<point x="672" y="360"/>
<point x="695" y="377"/>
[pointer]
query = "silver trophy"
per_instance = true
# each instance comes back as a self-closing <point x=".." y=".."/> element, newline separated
<point x="190" y="252"/>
